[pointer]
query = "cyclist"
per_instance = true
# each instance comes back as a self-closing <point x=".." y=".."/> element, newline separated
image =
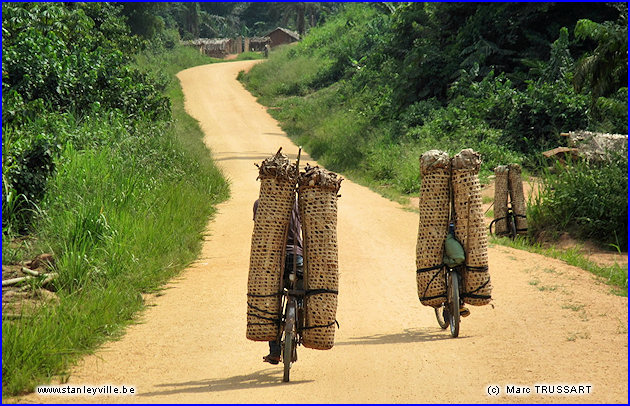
<point x="293" y="247"/>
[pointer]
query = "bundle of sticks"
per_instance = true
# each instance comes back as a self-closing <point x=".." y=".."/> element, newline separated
<point x="277" y="166"/>
<point x="316" y="176"/>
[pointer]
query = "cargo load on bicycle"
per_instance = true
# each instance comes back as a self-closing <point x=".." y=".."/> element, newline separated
<point x="317" y="205"/>
<point x="509" y="219"/>
<point x="452" y="183"/>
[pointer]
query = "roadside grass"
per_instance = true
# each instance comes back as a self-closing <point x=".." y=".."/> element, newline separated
<point x="121" y="218"/>
<point x="588" y="200"/>
<point x="616" y="275"/>
<point x="246" y="56"/>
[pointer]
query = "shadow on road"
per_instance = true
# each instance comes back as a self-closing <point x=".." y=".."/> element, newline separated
<point x="408" y="336"/>
<point x="259" y="379"/>
<point x="254" y="156"/>
<point x="241" y="155"/>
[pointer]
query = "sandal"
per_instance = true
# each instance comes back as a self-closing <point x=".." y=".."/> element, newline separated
<point x="272" y="359"/>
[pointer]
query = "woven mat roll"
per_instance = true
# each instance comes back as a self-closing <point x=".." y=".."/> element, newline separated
<point x="500" y="199"/>
<point x="470" y="229"/>
<point x="518" y="197"/>
<point x="317" y="201"/>
<point x="277" y="194"/>
<point x="433" y="227"/>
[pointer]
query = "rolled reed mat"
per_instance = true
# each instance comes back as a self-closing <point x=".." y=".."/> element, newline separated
<point x="432" y="227"/>
<point x="500" y="199"/>
<point x="470" y="229"/>
<point x="317" y="201"/>
<point x="277" y="195"/>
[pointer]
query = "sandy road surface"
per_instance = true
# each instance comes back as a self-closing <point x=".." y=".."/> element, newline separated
<point x="551" y="323"/>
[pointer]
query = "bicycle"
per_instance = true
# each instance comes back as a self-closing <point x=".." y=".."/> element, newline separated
<point x="293" y="321"/>
<point x="448" y="313"/>
<point x="293" y="303"/>
<point x="510" y="218"/>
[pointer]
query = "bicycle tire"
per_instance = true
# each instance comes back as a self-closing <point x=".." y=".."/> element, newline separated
<point x="288" y="347"/>
<point x="512" y="224"/>
<point x="442" y="316"/>
<point x="453" y="302"/>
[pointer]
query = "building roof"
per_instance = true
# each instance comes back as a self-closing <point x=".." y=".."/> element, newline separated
<point x="292" y="34"/>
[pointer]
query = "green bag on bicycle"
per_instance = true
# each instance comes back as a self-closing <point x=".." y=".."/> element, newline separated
<point x="453" y="252"/>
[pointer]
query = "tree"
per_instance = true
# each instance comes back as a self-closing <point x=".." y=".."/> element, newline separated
<point x="143" y="18"/>
<point x="605" y="70"/>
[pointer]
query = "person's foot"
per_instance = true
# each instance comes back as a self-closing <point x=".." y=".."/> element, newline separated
<point x="464" y="312"/>
<point x="272" y="359"/>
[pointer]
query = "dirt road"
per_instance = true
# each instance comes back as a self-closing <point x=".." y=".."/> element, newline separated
<point x="550" y="323"/>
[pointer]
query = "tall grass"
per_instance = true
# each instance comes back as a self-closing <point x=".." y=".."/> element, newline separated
<point x="121" y="217"/>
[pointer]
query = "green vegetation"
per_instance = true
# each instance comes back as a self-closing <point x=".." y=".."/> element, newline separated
<point x="372" y="89"/>
<point x="102" y="168"/>
<point x="223" y="19"/>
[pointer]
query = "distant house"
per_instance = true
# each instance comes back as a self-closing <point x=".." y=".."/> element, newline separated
<point x="281" y="36"/>
<point x="215" y="47"/>
<point x="257" y="44"/>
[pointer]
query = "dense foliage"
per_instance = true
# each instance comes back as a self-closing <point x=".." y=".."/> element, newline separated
<point x="375" y="87"/>
<point x="60" y="63"/>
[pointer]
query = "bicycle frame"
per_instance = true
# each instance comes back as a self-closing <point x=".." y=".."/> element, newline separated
<point x="510" y="219"/>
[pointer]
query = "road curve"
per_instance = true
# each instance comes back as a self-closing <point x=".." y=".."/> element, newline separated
<point x="550" y="323"/>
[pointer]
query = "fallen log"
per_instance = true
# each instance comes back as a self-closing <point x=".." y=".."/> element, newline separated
<point x="15" y="281"/>
<point x="30" y="272"/>
<point x="48" y="277"/>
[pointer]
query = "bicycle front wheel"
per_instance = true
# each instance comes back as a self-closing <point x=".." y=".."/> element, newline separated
<point x="453" y="305"/>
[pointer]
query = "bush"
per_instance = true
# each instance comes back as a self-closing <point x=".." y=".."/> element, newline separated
<point x="610" y="114"/>
<point x="587" y="200"/>
<point x="123" y="213"/>
<point x="541" y="113"/>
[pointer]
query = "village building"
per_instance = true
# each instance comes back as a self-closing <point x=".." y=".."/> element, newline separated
<point x="281" y="36"/>
<point x="257" y="44"/>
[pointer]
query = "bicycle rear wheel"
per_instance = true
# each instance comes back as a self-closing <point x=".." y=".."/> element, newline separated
<point x="441" y="314"/>
<point x="512" y="225"/>
<point x="453" y="305"/>
<point x="289" y="346"/>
